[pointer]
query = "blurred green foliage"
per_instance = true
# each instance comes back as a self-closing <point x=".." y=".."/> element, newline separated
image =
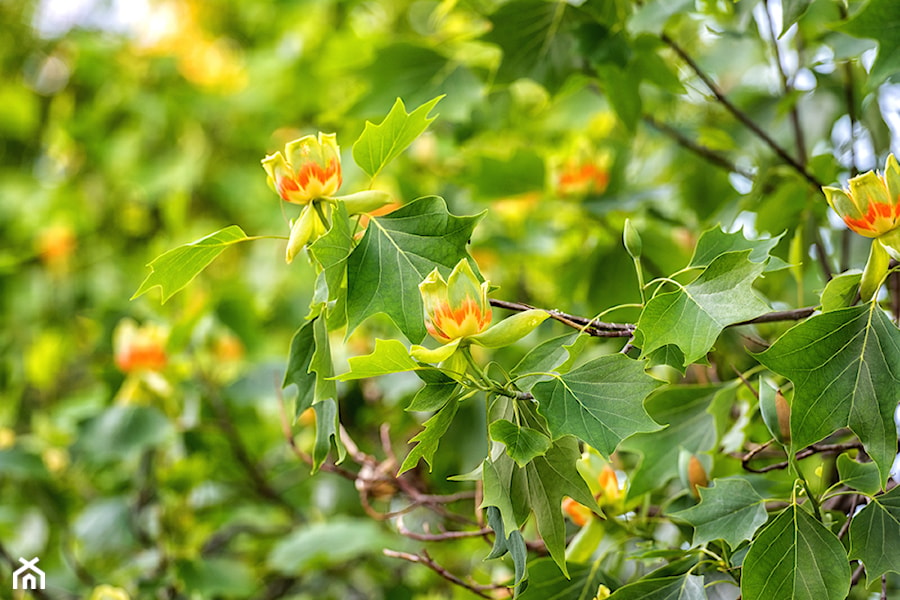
<point x="118" y="143"/>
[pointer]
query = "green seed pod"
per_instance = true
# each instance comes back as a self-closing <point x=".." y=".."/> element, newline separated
<point x="632" y="240"/>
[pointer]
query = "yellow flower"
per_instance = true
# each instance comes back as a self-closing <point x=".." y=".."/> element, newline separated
<point x="108" y="592"/>
<point x="871" y="207"/>
<point x="140" y="348"/>
<point x="456" y="308"/>
<point x="310" y="168"/>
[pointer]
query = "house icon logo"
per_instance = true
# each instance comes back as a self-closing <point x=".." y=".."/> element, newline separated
<point x="28" y="576"/>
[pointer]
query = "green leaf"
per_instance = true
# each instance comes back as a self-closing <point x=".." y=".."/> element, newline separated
<point x="514" y="544"/>
<point x="600" y="402"/>
<point x="878" y="20"/>
<point x="396" y="253"/>
<point x="548" y="479"/>
<point x="795" y="558"/>
<point x="321" y="545"/>
<point x="862" y="477"/>
<point x="547" y="583"/>
<point x="122" y="431"/>
<point x="389" y="356"/>
<point x="437" y="391"/>
<point x="679" y="587"/>
<point x="652" y="16"/>
<point x="428" y="438"/>
<point x="504" y="489"/>
<point x="173" y="270"/>
<point x="693" y="316"/>
<point x="382" y="143"/>
<point x="845" y="366"/>
<point x="729" y="510"/>
<point x="333" y="249"/>
<point x="875" y="535"/>
<point x="543" y="358"/>
<point x="522" y="443"/>
<point x="715" y="242"/>
<point x="303" y="346"/>
<point x="683" y="410"/>
<point x="793" y="11"/>
<point x="536" y="40"/>
<point x="841" y="291"/>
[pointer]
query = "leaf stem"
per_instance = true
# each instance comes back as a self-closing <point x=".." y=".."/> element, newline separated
<point x="795" y="466"/>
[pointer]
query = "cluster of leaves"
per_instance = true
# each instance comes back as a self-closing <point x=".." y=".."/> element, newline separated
<point x="745" y="447"/>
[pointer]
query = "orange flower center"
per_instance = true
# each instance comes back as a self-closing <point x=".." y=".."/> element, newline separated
<point x="448" y="324"/>
<point x="880" y="218"/>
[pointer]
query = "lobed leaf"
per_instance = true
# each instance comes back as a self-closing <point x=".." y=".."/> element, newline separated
<point x="729" y="510"/>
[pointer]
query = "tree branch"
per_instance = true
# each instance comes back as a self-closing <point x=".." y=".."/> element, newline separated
<point x="741" y="115"/>
<point x="805" y="453"/>
<point x="425" y="559"/>
<point x="697" y="148"/>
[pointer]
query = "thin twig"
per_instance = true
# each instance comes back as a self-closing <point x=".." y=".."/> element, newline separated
<point x="425" y="559"/>
<point x="699" y="149"/>
<point x="805" y="453"/>
<point x="786" y="87"/>
<point x="739" y="114"/>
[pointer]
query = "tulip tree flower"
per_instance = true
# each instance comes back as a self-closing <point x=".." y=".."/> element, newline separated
<point x="871" y="208"/>
<point x="309" y="169"/>
<point x="458" y="314"/>
<point x="309" y="174"/>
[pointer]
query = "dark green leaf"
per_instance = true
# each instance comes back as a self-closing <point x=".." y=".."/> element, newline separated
<point x="548" y="479"/>
<point x="522" y="443"/>
<point x="173" y="270"/>
<point x="396" y="253"/>
<point x="795" y="558"/>
<point x="693" y="316"/>
<point x="684" y="410"/>
<point x="879" y="20"/>
<point x="679" y="587"/>
<point x="543" y="358"/>
<point x="793" y="11"/>
<point x="121" y="431"/>
<point x="875" y="535"/>
<point x="863" y="477"/>
<point x="303" y="346"/>
<point x="437" y="391"/>
<point x="600" y="402"/>
<point x="845" y="366"/>
<point x="729" y="510"/>
<point x="715" y="242"/>
<point x="548" y="583"/>
<point x="333" y="249"/>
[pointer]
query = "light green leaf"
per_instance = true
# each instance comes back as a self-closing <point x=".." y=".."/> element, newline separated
<point x="715" y="242"/>
<point x="547" y="583"/>
<point x="548" y="479"/>
<point x="862" y="477"/>
<point x="389" y="356"/>
<point x="396" y="253"/>
<point x="333" y="249"/>
<point x="428" y="438"/>
<point x="840" y="291"/>
<point x="678" y="587"/>
<point x="683" y="410"/>
<point x="600" y="402"/>
<point x="693" y="316"/>
<point x="382" y="143"/>
<point x="122" y="431"/>
<point x="510" y="329"/>
<point x="543" y="358"/>
<point x="845" y="366"/>
<point x="174" y="269"/>
<point x="795" y="558"/>
<point x="793" y="11"/>
<point x="878" y="20"/>
<point x="875" y="535"/>
<point x="652" y="16"/>
<point x="321" y="545"/>
<point x="522" y="443"/>
<point x="729" y="510"/>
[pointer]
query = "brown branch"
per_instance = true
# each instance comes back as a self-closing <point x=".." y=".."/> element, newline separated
<point x="425" y="559"/>
<point x="741" y="115"/>
<point x="699" y="149"/>
<point x="805" y="453"/>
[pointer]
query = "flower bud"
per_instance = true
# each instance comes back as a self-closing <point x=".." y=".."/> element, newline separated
<point x="310" y="168"/>
<point x="139" y="348"/>
<point x="364" y="202"/>
<point x="302" y="231"/>
<point x="579" y="513"/>
<point x="696" y="475"/>
<point x="632" y="240"/>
